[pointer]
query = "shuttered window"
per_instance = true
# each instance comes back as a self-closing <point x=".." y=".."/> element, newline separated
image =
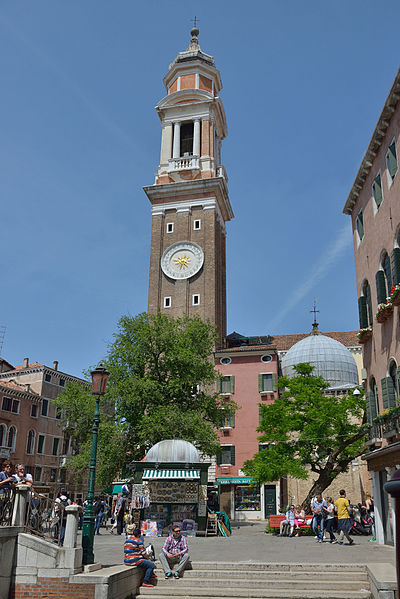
<point x="360" y="225"/>
<point x="362" y="312"/>
<point x="371" y="406"/>
<point x="228" y="419"/>
<point x="380" y="287"/>
<point x="391" y="161"/>
<point x="395" y="266"/>
<point x="388" y="273"/>
<point x="388" y="393"/>
<point x="377" y="190"/>
<point x="267" y="382"/>
<point x="227" y="455"/>
<point x="226" y="384"/>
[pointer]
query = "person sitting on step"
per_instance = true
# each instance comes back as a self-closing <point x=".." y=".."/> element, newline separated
<point x="134" y="555"/>
<point x="174" y="551"/>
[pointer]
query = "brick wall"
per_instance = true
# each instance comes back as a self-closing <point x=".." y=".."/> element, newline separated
<point x="59" y="588"/>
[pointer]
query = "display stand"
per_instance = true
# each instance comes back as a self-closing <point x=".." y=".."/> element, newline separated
<point x="212" y="525"/>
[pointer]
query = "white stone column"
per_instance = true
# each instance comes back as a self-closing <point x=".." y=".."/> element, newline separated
<point x="196" y="138"/>
<point x="378" y="508"/>
<point x="177" y="141"/>
<point x="71" y="528"/>
<point x="21" y="498"/>
<point x="166" y="143"/>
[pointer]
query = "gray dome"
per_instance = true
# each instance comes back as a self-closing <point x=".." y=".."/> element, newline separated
<point x="330" y="358"/>
<point x="173" y="450"/>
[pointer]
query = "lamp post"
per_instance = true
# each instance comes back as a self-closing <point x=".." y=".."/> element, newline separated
<point x="393" y="488"/>
<point x="99" y="384"/>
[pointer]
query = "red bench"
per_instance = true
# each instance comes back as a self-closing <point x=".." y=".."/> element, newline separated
<point x="276" y="519"/>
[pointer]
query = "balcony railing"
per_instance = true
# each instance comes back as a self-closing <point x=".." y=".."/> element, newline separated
<point x="7" y="499"/>
<point x="184" y="163"/>
<point x="375" y="435"/>
<point x="391" y="426"/>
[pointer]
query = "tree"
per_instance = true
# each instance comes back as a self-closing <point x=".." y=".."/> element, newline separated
<point x="161" y="386"/>
<point x="308" y="431"/>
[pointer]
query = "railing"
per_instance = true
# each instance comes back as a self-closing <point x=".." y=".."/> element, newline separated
<point x="7" y="500"/>
<point x="391" y="426"/>
<point x="374" y="432"/>
<point x="183" y="163"/>
<point x="44" y="517"/>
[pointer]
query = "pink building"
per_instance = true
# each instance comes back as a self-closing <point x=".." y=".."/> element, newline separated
<point x="249" y="371"/>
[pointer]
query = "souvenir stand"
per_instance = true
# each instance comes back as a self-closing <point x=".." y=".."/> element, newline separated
<point x="172" y="482"/>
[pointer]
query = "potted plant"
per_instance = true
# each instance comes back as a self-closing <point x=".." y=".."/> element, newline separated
<point x="395" y="295"/>
<point x="384" y="311"/>
<point x="364" y="335"/>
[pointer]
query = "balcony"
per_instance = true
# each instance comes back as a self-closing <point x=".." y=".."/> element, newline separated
<point x="374" y="436"/>
<point x="184" y="163"/>
<point x="390" y="423"/>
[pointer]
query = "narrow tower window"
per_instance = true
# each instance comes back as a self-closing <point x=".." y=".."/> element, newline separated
<point x="196" y="299"/>
<point x="187" y="139"/>
<point x="170" y="227"/>
<point x="197" y="224"/>
<point x="167" y="302"/>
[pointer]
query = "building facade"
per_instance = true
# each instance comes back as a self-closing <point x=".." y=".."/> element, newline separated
<point x="374" y="206"/>
<point x="190" y="202"/>
<point x="37" y="439"/>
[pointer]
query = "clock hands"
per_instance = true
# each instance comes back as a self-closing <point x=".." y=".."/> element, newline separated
<point x="182" y="261"/>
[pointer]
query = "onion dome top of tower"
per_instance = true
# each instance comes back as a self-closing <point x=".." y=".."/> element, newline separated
<point x="330" y="358"/>
<point x="173" y="450"/>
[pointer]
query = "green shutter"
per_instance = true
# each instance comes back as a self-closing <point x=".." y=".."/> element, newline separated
<point x="232" y="384"/>
<point x="377" y="190"/>
<point x="260" y="414"/>
<point x="388" y="394"/>
<point x="360" y="225"/>
<point x="391" y="160"/>
<point x="232" y="455"/>
<point x="362" y="312"/>
<point x="395" y="265"/>
<point x="219" y="459"/>
<point x="397" y="391"/>
<point x="219" y="384"/>
<point x="371" y="406"/>
<point x="380" y="287"/>
<point x="260" y="383"/>
<point x="274" y="381"/>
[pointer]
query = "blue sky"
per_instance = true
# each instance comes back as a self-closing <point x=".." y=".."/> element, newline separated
<point x="304" y="83"/>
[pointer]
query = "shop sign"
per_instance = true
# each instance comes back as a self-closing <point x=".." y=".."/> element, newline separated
<point x="246" y="480"/>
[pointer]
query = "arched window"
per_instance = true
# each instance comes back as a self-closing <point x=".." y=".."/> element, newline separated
<point x="385" y="263"/>
<point x="3" y="435"/>
<point x="366" y="293"/>
<point x="11" y="438"/>
<point x="30" y="443"/>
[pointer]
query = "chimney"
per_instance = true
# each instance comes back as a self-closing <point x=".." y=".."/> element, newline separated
<point x="26" y="362"/>
<point x="55" y="365"/>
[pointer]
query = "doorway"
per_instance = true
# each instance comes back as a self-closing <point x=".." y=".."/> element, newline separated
<point x="269" y="500"/>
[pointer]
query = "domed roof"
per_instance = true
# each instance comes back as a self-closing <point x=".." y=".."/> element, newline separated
<point x="330" y="358"/>
<point x="173" y="450"/>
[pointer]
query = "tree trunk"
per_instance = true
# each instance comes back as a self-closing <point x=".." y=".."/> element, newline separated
<point x="323" y="481"/>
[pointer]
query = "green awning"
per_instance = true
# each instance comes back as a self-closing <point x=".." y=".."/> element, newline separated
<point x="185" y="474"/>
<point x="117" y="488"/>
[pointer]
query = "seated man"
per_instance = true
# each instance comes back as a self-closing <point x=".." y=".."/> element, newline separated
<point x="134" y="555"/>
<point x="289" y="520"/>
<point x="174" y="551"/>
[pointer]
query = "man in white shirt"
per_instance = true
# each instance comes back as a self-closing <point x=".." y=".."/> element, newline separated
<point x="23" y="477"/>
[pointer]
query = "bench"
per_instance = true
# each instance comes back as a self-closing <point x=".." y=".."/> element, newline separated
<point x="276" y="519"/>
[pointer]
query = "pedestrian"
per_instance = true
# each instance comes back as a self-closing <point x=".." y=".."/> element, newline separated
<point x="369" y="504"/>
<point x="344" y="521"/>
<point x="7" y="480"/>
<point x="120" y="512"/>
<point x="329" y="512"/>
<point x="174" y="551"/>
<point x="134" y="555"/>
<point x="22" y="477"/>
<point x="98" y="508"/>
<point x="317" y="505"/>
<point x="64" y="501"/>
<point x="289" y="520"/>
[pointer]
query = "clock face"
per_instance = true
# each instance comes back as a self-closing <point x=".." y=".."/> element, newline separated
<point x="182" y="260"/>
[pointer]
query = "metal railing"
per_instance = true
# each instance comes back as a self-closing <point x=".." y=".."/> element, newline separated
<point x="44" y="517"/>
<point x="7" y="500"/>
<point x="391" y="425"/>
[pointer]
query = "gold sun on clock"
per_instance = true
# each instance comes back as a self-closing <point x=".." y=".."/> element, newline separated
<point x="182" y="261"/>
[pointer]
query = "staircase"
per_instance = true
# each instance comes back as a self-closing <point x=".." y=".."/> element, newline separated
<point x="273" y="581"/>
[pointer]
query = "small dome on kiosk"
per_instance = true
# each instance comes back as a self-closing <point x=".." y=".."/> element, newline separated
<point x="173" y="450"/>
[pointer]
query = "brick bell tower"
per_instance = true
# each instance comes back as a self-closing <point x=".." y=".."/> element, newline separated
<point x="190" y="202"/>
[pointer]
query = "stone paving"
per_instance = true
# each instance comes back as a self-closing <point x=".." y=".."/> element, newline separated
<point x="250" y="543"/>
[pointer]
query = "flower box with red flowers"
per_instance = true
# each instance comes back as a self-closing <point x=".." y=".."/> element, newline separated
<point x="384" y="312"/>
<point x="395" y="295"/>
<point x="365" y="335"/>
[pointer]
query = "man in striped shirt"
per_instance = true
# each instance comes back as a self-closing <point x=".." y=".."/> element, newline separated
<point x="134" y="555"/>
<point x="174" y="551"/>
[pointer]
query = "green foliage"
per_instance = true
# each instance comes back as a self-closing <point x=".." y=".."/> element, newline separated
<point x="160" y="387"/>
<point x="307" y="431"/>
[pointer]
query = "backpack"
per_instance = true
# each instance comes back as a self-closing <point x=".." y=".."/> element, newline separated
<point x="64" y="502"/>
<point x="98" y="507"/>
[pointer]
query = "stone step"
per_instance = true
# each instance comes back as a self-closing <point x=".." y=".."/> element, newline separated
<point x="282" y="567"/>
<point x="295" y="583"/>
<point x="254" y="594"/>
<point x="266" y="575"/>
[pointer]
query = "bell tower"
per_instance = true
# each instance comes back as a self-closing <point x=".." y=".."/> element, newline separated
<point x="190" y="202"/>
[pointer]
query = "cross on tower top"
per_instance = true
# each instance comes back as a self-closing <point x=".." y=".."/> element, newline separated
<point x="194" y="32"/>
<point x="315" y="330"/>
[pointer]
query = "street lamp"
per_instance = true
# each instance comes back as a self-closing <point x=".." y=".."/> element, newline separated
<point x="393" y="488"/>
<point x="99" y="384"/>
